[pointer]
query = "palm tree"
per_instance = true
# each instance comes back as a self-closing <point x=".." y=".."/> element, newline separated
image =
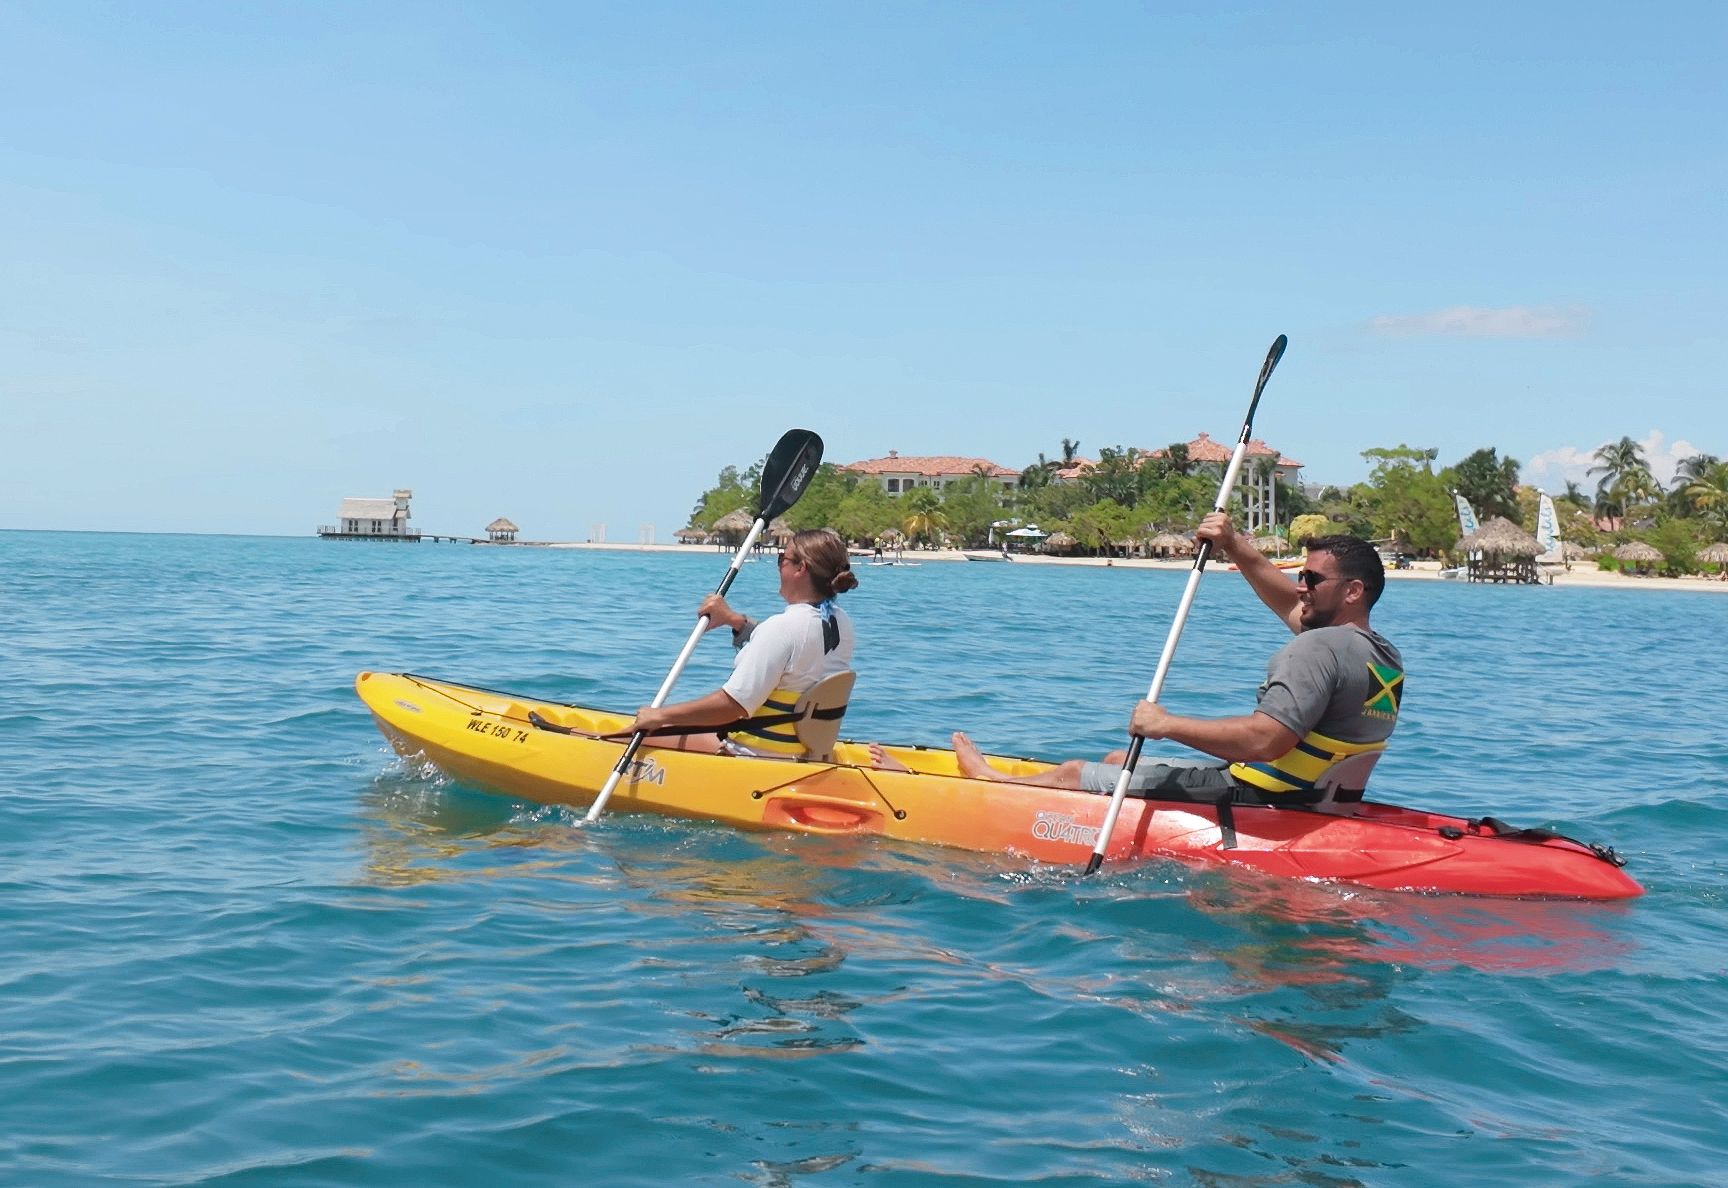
<point x="924" y="515"/>
<point x="1037" y="474"/>
<point x="1708" y="491"/>
<point x="1574" y="495"/>
<point x="1625" y="473"/>
<point x="1070" y="448"/>
<point x="1696" y="467"/>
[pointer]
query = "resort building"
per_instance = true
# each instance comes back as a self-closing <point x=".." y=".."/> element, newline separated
<point x="1263" y="468"/>
<point x="501" y="531"/>
<point x="374" y="519"/>
<point x="899" y="474"/>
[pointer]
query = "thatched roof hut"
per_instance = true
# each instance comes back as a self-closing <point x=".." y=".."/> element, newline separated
<point x="1169" y="542"/>
<point x="731" y="527"/>
<point x="778" y="530"/>
<point x="690" y="536"/>
<point x="1500" y="537"/>
<point x="1270" y="544"/>
<point x="501" y="530"/>
<point x="890" y="535"/>
<point x="1716" y="554"/>
<point x="1571" y="550"/>
<point x="1638" y="553"/>
<point x="1059" y="542"/>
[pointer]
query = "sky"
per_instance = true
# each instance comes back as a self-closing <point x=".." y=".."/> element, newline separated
<point x="564" y="262"/>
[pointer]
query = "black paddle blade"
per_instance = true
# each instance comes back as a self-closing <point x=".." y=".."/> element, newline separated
<point x="1272" y="356"/>
<point x="788" y="470"/>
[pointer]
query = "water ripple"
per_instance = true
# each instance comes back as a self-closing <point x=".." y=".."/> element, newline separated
<point x="244" y="944"/>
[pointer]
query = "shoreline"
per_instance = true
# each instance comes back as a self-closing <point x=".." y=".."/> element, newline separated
<point x="1581" y="574"/>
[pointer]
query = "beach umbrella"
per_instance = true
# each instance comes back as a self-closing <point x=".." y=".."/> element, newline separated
<point x="1573" y="551"/>
<point x="1716" y="554"/>
<point x="1059" y="542"/>
<point x="779" y="529"/>
<point x="1269" y="544"/>
<point x="1637" y="552"/>
<point x="1171" y="543"/>
<point x="1500" y="537"/>
<point x="890" y="535"/>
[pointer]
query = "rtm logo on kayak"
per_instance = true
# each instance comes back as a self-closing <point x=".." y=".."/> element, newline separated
<point x="1061" y="827"/>
<point x="646" y="771"/>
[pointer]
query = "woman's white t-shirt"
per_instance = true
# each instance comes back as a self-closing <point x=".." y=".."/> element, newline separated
<point x="785" y="652"/>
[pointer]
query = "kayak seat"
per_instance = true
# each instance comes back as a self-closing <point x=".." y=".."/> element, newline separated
<point x="819" y="709"/>
<point x="1340" y="786"/>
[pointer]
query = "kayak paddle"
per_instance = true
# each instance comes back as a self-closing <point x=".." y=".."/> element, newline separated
<point x="1200" y="555"/>
<point x="785" y="474"/>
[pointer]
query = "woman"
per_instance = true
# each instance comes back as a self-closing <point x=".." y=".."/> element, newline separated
<point x="778" y="658"/>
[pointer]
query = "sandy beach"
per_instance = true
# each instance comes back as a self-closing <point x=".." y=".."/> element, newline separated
<point x="1581" y="573"/>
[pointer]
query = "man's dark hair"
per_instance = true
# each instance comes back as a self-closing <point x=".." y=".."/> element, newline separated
<point x="1356" y="559"/>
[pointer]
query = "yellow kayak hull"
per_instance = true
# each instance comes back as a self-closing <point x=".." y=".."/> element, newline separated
<point x="492" y="740"/>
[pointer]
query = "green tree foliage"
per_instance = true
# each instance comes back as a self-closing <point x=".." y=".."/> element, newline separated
<point x="1307" y="527"/>
<point x="1036" y="475"/>
<point x="1625" y="479"/>
<point x="1116" y="477"/>
<point x="822" y="498"/>
<point x="921" y="513"/>
<point x="1405" y="499"/>
<point x="865" y="513"/>
<point x="1677" y="540"/>
<point x="971" y="505"/>
<point x="1705" y="493"/>
<point x="1488" y="481"/>
<point x="1053" y="504"/>
<point x="727" y="495"/>
<point x="1177" y="501"/>
<point x="1102" y="524"/>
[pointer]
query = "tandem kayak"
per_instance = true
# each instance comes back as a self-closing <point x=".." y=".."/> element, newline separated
<point x="523" y="747"/>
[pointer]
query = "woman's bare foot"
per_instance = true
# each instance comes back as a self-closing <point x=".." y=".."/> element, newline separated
<point x="881" y="760"/>
<point x="971" y="760"/>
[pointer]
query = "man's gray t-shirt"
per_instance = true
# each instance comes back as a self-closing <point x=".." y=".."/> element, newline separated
<point x="1344" y="682"/>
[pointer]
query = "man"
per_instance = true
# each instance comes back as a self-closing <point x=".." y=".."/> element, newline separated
<point x="1332" y="692"/>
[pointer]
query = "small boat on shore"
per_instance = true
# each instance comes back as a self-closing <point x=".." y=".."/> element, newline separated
<point x="987" y="555"/>
<point x="549" y="753"/>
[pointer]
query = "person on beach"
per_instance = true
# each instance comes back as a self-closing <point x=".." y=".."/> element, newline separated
<point x="1332" y="692"/>
<point x="778" y="658"/>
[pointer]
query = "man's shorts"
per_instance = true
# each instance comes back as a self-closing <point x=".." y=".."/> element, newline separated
<point x="1201" y="780"/>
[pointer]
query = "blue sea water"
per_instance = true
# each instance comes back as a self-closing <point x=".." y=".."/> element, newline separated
<point x="242" y="944"/>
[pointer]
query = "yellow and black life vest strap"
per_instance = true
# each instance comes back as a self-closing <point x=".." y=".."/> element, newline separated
<point x="1300" y="768"/>
<point x="774" y="727"/>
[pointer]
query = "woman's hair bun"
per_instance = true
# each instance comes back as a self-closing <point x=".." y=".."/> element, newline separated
<point x="845" y="580"/>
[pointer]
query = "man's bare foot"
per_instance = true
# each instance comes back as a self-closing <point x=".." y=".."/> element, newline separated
<point x="971" y="760"/>
<point x="881" y="760"/>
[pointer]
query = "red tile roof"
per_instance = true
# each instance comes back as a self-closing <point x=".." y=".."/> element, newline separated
<point x="1204" y="449"/>
<point x="931" y="466"/>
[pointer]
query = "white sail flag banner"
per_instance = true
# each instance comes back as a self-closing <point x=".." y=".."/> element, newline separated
<point x="1466" y="517"/>
<point x="1547" y="529"/>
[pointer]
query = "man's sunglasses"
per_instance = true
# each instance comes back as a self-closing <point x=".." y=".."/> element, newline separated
<point x="1307" y="577"/>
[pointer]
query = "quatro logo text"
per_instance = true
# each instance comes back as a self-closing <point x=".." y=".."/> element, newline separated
<point x="1061" y="827"/>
